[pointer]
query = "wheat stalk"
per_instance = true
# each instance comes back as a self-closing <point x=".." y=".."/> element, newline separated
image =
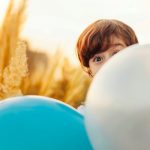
<point x="14" y="72"/>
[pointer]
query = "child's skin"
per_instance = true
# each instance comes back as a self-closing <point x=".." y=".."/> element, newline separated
<point x="100" y="41"/>
<point x="97" y="61"/>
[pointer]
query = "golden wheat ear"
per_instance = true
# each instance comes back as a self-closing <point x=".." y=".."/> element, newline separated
<point x="14" y="73"/>
<point x="10" y="29"/>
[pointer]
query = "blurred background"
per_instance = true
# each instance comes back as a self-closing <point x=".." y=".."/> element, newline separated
<point x="49" y="31"/>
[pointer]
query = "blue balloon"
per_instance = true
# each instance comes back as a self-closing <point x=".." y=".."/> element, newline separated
<point x="39" y="123"/>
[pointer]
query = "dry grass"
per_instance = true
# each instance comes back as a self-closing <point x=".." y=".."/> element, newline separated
<point x="13" y="62"/>
<point x="14" y="72"/>
<point x="24" y="72"/>
<point x="9" y="32"/>
<point x="54" y="76"/>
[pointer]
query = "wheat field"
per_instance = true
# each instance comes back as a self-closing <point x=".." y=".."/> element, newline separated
<point x="24" y="71"/>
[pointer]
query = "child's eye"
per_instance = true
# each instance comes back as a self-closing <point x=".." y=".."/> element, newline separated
<point x="98" y="59"/>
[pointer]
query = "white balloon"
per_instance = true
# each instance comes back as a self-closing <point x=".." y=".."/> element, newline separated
<point x="117" y="111"/>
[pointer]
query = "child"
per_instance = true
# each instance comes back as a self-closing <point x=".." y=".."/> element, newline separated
<point x="101" y="40"/>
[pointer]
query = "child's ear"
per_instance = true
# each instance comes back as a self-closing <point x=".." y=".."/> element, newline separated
<point x="89" y="72"/>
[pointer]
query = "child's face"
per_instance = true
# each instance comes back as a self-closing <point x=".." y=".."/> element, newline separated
<point x="96" y="62"/>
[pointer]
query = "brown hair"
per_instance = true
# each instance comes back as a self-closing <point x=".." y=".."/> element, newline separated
<point x="97" y="38"/>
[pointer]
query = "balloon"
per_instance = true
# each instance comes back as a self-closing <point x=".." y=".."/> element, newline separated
<point x="38" y="123"/>
<point x="118" y="102"/>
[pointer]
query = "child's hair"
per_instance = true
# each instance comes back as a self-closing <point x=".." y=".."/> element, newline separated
<point x="97" y="38"/>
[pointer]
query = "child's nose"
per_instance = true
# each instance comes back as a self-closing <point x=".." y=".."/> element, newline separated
<point x="108" y="56"/>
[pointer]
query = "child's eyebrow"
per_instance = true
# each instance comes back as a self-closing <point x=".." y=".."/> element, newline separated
<point x="117" y="44"/>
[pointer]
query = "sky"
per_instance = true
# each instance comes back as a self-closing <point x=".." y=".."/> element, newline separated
<point x="53" y="24"/>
